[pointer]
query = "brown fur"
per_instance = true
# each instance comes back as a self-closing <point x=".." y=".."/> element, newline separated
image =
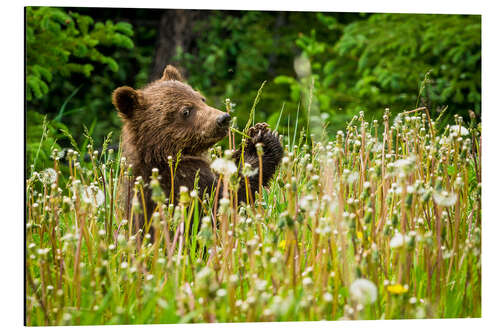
<point x="155" y="127"/>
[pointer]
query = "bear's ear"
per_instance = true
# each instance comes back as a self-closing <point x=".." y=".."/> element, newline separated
<point x="171" y="73"/>
<point x="126" y="100"/>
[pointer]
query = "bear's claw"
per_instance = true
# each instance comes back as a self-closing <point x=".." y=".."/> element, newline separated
<point x="261" y="133"/>
<point x="257" y="129"/>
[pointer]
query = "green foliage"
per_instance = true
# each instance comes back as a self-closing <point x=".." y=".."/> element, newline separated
<point x="62" y="43"/>
<point x="73" y="64"/>
<point x="224" y="58"/>
<point x="394" y="51"/>
<point x="41" y="140"/>
<point x="357" y="62"/>
<point x="393" y="60"/>
<point x="237" y="51"/>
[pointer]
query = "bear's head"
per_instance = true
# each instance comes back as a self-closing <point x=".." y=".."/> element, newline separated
<point x="168" y="116"/>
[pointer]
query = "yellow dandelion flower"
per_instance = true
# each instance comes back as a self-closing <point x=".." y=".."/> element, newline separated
<point x="282" y="244"/>
<point x="359" y="234"/>
<point x="397" y="289"/>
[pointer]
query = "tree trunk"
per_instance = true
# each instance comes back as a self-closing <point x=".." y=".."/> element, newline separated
<point x="175" y="31"/>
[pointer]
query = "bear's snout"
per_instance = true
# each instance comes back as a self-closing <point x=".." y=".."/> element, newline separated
<point x="223" y="120"/>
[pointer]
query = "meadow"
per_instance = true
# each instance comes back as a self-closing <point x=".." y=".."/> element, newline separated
<point x="381" y="222"/>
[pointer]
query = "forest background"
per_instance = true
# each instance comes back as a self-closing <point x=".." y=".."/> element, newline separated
<point x="320" y="68"/>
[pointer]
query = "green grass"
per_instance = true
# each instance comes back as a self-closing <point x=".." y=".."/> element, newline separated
<point x="383" y="222"/>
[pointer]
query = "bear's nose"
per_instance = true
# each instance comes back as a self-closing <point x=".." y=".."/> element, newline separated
<point x="223" y="121"/>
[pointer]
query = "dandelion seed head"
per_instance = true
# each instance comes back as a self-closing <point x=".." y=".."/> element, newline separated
<point x="306" y="201"/>
<point x="398" y="240"/>
<point x="92" y="195"/>
<point x="121" y="238"/>
<point x="48" y="176"/>
<point x="352" y="177"/>
<point x="224" y="202"/>
<point x="251" y="300"/>
<point x="221" y="293"/>
<point x="43" y="252"/>
<point x="363" y="291"/>
<point x="224" y="167"/>
<point x="443" y="198"/>
<point x="307" y="282"/>
<point x="459" y="130"/>
<point x="247" y="170"/>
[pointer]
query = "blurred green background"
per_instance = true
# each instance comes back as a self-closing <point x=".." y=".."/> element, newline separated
<point x="325" y="66"/>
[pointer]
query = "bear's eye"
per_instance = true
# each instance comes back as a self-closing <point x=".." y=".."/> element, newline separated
<point x="186" y="112"/>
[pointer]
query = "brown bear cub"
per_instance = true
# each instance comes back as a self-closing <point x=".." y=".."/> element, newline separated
<point x="166" y="117"/>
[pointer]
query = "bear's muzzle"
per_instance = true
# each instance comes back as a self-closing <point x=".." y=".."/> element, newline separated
<point x="223" y="120"/>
